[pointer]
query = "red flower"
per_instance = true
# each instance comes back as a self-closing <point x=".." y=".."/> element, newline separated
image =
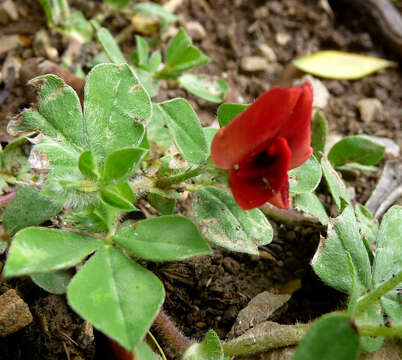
<point x="261" y="144"/>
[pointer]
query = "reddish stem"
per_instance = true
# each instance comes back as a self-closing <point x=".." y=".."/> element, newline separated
<point x="5" y="199"/>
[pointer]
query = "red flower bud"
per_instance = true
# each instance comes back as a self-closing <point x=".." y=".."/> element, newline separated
<point x="261" y="144"/>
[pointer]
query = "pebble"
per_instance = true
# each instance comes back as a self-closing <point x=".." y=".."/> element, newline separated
<point x="42" y="47"/>
<point x="282" y="38"/>
<point x="11" y="10"/>
<point x="10" y="42"/>
<point x="195" y="30"/>
<point x="267" y="52"/>
<point x="11" y="63"/>
<point x="261" y="12"/>
<point x="14" y="313"/>
<point x="253" y="63"/>
<point x="369" y="109"/>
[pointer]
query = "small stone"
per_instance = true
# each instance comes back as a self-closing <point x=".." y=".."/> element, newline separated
<point x="195" y="30"/>
<point x="253" y="63"/>
<point x="282" y="38"/>
<point x="267" y="52"/>
<point x="11" y="64"/>
<point x="261" y="12"/>
<point x="42" y="47"/>
<point x="10" y="42"/>
<point x="369" y="109"/>
<point x="11" y="10"/>
<point x="14" y="313"/>
<point x="321" y="93"/>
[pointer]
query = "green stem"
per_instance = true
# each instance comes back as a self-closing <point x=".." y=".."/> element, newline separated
<point x="274" y="336"/>
<point x="177" y="179"/>
<point x="377" y="293"/>
<point x="375" y="330"/>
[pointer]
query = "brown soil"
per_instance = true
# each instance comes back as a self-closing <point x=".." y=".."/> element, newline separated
<point x="208" y="292"/>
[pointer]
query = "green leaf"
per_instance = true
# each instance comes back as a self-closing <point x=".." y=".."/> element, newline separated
<point x="227" y="112"/>
<point x="121" y="297"/>
<point x="147" y="80"/>
<point x="117" y="4"/>
<point x="210" y="348"/>
<point x="164" y="238"/>
<point x="42" y="249"/>
<point x="388" y="261"/>
<point x="87" y="165"/>
<point x="54" y="282"/>
<point x="182" y="55"/>
<point x="205" y="87"/>
<point x="356" y="149"/>
<point x="372" y="316"/>
<point x="116" y="106"/>
<point x="332" y="337"/>
<point x="185" y="129"/>
<point x="319" y="133"/>
<point x="224" y="223"/>
<point x="112" y="197"/>
<point x="335" y="184"/>
<point x="368" y="224"/>
<point x="157" y="10"/>
<point x="121" y="163"/>
<point x="306" y="177"/>
<point x="311" y="204"/>
<point x="330" y="261"/>
<point x="142" y="52"/>
<point x="143" y="352"/>
<point x="154" y="61"/>
<point x="28" y="208"/>
<point x="157" y="130"/>
<point x="77" y="27"/>
<point x="333" y="64"/>
<point x="97" y="219"/>
<point x="110" y="46"/>
<point x="59" y="114"/>
<point x="209" y="134"/>
<point x="162" y="203"/>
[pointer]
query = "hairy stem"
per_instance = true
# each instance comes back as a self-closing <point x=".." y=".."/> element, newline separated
<point x="174" y="340"/>
<point x="274" y="336"/>
<point x="177" y="179"/>
<point x="375" y="330"/>
<point x="377" y="293"/>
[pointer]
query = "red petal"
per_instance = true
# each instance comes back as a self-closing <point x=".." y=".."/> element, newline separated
<point x="255" y="128"/>
<point x="297" y="130"/>
<point x="281" y="198"/>
<point x="252" y="188"/>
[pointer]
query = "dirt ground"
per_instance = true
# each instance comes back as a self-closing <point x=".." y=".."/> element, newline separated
<point x="208" y="292"/>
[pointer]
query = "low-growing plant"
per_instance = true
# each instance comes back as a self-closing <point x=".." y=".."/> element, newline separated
<point x="97" y="164"/>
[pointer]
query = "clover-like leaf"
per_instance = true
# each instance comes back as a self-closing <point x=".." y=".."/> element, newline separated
<point x="163" y="238"/>
<point x="182" y="55"/>
<point x="311" y="204"/>
<point x="210" y="348"/>
<point x="185" y="129"/>
<point x="334" y="253"/>
<point x="121" y="163"/>
<point x="224" y="223"/>
<point x="131" y="294"/>
<point x="388" y="261"/>
<point x="116" y="108"/>
<point x="205" y="87"/>
<point x="227" y="112"/>
<point x="355" y="149"/>
<point x="306" y="177"/>
<point x="42" y="249"/>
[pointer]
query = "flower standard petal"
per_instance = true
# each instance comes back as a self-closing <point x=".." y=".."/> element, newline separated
<point x="256" y="184"/>
<point x="255" y="128"/>
<point x="297" y="129"/>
